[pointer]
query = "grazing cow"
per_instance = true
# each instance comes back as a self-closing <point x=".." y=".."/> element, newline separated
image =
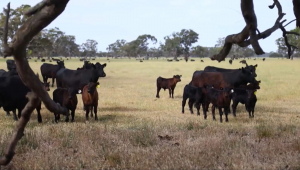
<point x="66" y="98"/>
<point x="250" y="68"/>
<point x="43" y="60"/>
<point x="11" y="65"/>
<point x="90" y="99"/>
<point x="192" y="60"/>
<point x="79" y="78"/>
<point x="230" y="61"/>
<point x="177" y="60"/>
<point x="243" y="61"/>
<point x="169" y="60"/>
<point x="141" y="61"/>
<point x="13" y="96"/>
<point x="263" y="59"/>
<point x="202" y="61"/>
<point x="245" y="95"/>
<point x="167" y="83"/>
<point x="50" y="70"/>
<point x="219" y="98"/>
<point x="195" y="95"/>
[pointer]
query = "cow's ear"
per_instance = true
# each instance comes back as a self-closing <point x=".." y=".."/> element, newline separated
<point x="104" y="65"/>
<point x="255" y="66"/>
<point x="97" y="83"/>
<point x="180" y="76"/>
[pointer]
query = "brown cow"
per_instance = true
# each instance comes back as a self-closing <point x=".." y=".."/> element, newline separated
<point x="90" y="99"/>
<point x="167" y="83"/>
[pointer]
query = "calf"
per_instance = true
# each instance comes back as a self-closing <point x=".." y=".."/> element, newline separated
<point x="195" y="95"/>
<point x="245" y="95"/>
<point x="167" y="83"/>
<point x="66" y="98"/>
<point x="90" y="99"/>
<point x="219" y="98"/>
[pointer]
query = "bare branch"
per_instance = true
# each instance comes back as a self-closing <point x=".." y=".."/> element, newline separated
<point x="289" y="46"/>
<point x="7" y="50"/>
<point x="289" y="23"/>
<point x="36" y="8"/>
<point x="42" y="18"/>
<point x="33" y="101"/>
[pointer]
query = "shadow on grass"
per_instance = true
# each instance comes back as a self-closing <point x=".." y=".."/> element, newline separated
<point x="120" y="109"/>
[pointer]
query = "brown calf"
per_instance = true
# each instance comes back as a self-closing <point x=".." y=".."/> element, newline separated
<point x="167" y="83"/>
<point x="90" y="99"/>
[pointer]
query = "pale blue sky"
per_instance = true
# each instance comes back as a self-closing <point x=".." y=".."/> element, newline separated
<point x="109" y="20"/>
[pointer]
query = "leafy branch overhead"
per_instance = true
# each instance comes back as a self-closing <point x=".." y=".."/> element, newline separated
<point x="250" y="34"/>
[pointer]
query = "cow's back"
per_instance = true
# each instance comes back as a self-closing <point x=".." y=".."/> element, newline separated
<point x="217" y="69"/>
<point x="208" y="78"/>
<point x="49" y="69"/>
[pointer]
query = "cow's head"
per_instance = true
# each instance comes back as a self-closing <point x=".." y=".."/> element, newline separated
<point x="247" y="75"/>
<point x="256" y="84"/>
<point x="250" y="93"/>
<point x="100" y="69"/>
<point x="227" y="91"/>
<point x="72" y="91"/>
<point x="92" y="87"/>
<point x="177" y="78"/>
<point x="252" y="69"/>
<point x="61" y="64"/>
<point x="46" y="86"/>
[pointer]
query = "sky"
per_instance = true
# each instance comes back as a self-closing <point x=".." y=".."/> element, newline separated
<point x="109" y="20"/>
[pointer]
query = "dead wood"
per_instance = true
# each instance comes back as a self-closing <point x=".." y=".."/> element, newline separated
<point x="44" y="13"/>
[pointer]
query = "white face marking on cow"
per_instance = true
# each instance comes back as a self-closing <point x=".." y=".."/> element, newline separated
<point x="79" y="91"/>
<point x="232" y="91"/>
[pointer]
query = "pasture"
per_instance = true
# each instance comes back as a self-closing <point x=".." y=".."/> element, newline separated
<point x="138" y="131"/>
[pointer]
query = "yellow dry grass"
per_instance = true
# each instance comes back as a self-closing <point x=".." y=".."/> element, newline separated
<point x="131" y="118"/>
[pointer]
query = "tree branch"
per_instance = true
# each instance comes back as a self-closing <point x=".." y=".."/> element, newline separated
<point x="246" y="42"/>
<point x="42" y="18"/>
<point x="33" y="101"/>
<point x="7" y="51"/>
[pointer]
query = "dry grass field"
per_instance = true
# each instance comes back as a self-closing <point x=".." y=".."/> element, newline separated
<point x="131" y="119"/>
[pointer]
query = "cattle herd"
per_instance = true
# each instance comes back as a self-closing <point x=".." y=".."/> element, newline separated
<point x="68" y="82"/>
<point x="217" y="86"/>
<point x="213" y="85"/>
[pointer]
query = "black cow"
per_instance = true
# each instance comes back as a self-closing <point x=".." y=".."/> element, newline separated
<point x="66" y="98"/>
<point x="79" y="78"/>
<point x="11" y="65"/>
<point x="245" y="95"/>
<point x="50" y="70"/>
<point x="219" y="98"/>
<point x="250" y="68"/>
<point x="230" y="61"/>
<point x="263" y="59"/>
<point x="195" y="95"/>
<point x="43" y="60"/>
<point x="202" y="61"/>
<point x="243" y="61"/>
<point x="167" y="83"/>
<point x="13" y="96"/>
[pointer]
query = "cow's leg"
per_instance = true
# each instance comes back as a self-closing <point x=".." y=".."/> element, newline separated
<point x="45" y="78"/>
<point x="221" y="113"/>
<point x="198" y="108"/>
<point x="191" y="102"/>
<point x="206" y="109"/>
<point x="53" y="80"/>
<point x="95" y="111"/>
<point x="72" y="114"/>
<point x="226" y="113"/>
<point x="157" y="94"/>
<point x="7" y="113"/>
<point x="92" y="111"/>
<point x="170" y="92"/>
<point x="87" y="110"/>
<point x="183" y="103"/>
<point x="67" y="117"/>
<point x="234" y="105"/>
<point x="213" y="109"/>
<point x="15" y="115"/>
<point x="56" y="117"/>
<point x="19" y="113"/>
<point x="38" y="110"/>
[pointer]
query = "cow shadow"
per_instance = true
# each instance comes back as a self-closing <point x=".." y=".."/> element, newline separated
<point x="120" y="109"/>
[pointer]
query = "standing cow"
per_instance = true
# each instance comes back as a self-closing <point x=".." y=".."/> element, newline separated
<point x="50" y="70"/>
<point x="167" y="83"/>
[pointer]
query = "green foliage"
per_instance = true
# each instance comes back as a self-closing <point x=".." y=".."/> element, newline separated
<point x="293" y="40"/>
<point x="180" y="42"/>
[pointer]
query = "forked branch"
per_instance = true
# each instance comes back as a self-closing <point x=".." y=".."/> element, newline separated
<point x="43" y="16"/>
<point x="250" y="18"/>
